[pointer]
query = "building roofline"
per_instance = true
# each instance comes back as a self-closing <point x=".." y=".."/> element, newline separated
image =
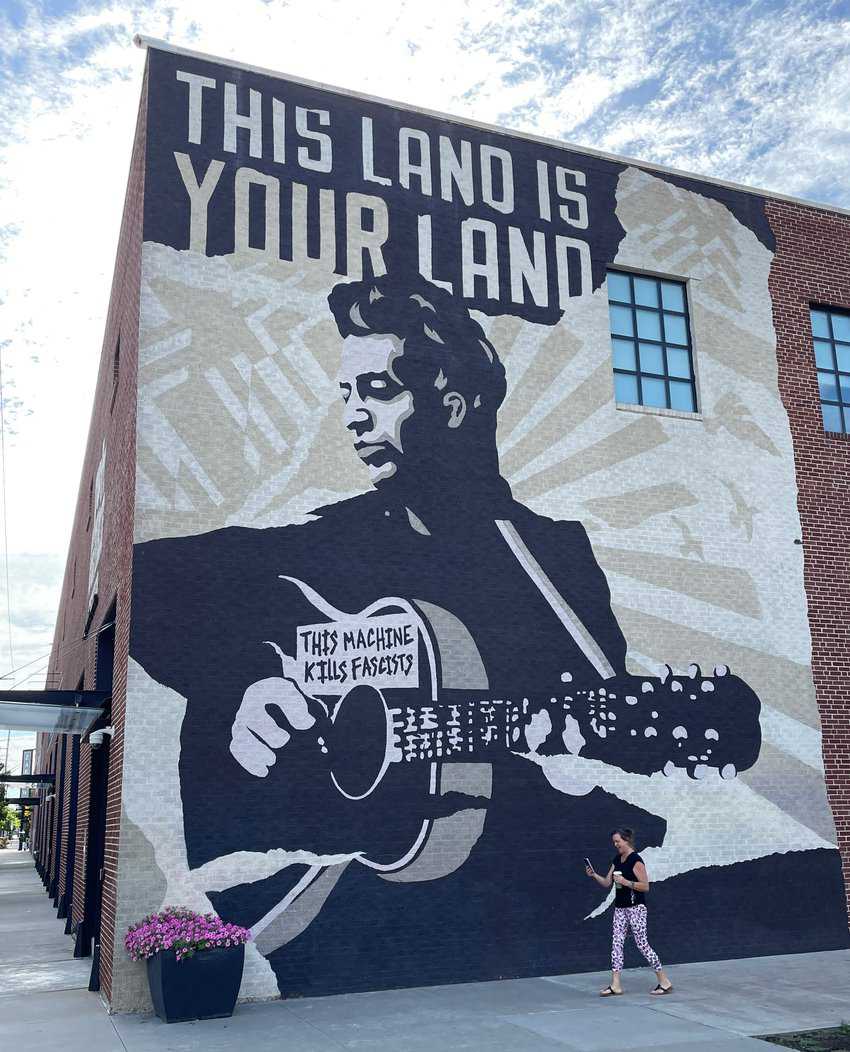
<point x="145" y="42"/>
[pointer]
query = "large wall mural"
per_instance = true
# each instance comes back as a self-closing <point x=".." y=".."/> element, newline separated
<point x="419" y="615"/>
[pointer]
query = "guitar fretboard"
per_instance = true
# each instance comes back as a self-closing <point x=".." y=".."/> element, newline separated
<point x="636" y="723"/>
<point x="460" y="729"/>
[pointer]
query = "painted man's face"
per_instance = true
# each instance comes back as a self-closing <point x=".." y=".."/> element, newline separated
<point x="378" y="407"/>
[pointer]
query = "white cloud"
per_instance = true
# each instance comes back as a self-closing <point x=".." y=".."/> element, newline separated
<point x="757" y="92"/>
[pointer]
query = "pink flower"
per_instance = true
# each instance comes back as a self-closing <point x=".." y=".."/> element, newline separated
<point x="182" y="930"/>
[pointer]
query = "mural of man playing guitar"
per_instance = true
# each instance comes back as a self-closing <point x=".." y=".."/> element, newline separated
<point x="365" y="689"/>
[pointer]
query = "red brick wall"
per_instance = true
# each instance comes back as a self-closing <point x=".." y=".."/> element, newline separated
<point x="42" y="837"/>
<point x="74" y="655"/>
<point x="812" y="266"/>
<point x="66" y="804"/>
<point x="42" y="815"/>
<point x="79" y="892"/>
<point x="124" y="312"/>
<point x="62" y="789"/>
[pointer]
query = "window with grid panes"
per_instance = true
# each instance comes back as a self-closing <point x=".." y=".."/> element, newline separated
<point x="651" y="341"/>
<point x="831" y="335"/>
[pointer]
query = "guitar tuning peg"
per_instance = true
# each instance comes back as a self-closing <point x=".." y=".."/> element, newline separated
<point x="666" y="673"/>
<point x="721" y="670"/>
<point x="694" y="670"/>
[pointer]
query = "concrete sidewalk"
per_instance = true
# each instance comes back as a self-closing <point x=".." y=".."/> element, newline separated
<point x="44" y="998"/>
<point x="716" y="1006"/>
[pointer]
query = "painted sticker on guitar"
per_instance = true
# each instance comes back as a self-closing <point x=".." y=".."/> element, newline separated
<point x="381" y="651"/>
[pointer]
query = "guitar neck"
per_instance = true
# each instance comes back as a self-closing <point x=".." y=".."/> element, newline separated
<point x="639" y="724"/>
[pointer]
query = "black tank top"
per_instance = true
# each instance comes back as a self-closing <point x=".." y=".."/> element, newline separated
<point x="625" y="897"/>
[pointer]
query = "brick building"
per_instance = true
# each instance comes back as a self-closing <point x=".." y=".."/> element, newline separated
<point x="431" y="469"/>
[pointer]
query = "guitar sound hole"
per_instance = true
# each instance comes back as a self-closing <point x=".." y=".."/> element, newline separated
<point x="359" y="747"/>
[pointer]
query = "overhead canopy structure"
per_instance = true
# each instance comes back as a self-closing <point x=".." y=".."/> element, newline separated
<point x="28" y="779"/>
<point x="51" y="711"/>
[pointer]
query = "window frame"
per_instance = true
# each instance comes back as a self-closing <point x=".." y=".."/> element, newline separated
<point x="662" y="344"/>
<point x="834" y="371"/>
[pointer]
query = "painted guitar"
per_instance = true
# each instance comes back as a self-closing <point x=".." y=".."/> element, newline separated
<point x="407" y="695"/>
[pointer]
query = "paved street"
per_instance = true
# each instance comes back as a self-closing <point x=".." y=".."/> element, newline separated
<point x="717" y="1006"/>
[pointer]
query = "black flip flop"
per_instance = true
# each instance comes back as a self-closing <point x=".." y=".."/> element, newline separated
<point x="609" y="991"/>
<point x="659" y="990"/>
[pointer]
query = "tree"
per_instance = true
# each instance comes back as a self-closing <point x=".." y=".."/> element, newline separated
<point x="8" y="818"/>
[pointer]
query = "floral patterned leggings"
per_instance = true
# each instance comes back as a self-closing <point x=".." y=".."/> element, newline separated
<point x="634" y="918"/>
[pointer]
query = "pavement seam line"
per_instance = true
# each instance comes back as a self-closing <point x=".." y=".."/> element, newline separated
<point x="115" y="1028"/>
<point x="291" y="1006"/>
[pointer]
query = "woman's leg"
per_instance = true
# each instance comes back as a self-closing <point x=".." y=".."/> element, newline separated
<point x="618" y="937"/>
<point x="637" y="923"/>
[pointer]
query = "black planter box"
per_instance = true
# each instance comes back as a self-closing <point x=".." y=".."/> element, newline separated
<point x="203" y="986"/>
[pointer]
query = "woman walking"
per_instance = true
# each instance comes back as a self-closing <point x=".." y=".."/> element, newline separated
<point x="629" y="874"/>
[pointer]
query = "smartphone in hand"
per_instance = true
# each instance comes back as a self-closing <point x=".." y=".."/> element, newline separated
<point x="588" y="863"/>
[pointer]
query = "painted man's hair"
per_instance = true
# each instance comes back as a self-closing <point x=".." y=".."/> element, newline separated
<point x="437" y="331"/>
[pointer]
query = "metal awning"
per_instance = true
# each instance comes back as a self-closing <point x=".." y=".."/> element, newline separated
<point x="51" y="711"/>
<point x="26" y="801"/>
<point x="28" y="779"/>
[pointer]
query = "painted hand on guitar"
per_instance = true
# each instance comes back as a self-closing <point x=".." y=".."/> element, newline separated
<point x="272" y="710"/>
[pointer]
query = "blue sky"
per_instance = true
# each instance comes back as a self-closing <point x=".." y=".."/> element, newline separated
<point x="755" y="92"/>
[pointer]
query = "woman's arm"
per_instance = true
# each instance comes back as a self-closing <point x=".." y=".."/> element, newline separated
<point x="603" y="882"/>
<point x="642" y="882"/>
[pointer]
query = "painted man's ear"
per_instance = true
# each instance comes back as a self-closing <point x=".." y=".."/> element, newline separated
<point x="456" y="404"/>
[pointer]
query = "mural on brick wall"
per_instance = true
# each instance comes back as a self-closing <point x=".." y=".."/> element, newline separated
<point x="419" y="613"/>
